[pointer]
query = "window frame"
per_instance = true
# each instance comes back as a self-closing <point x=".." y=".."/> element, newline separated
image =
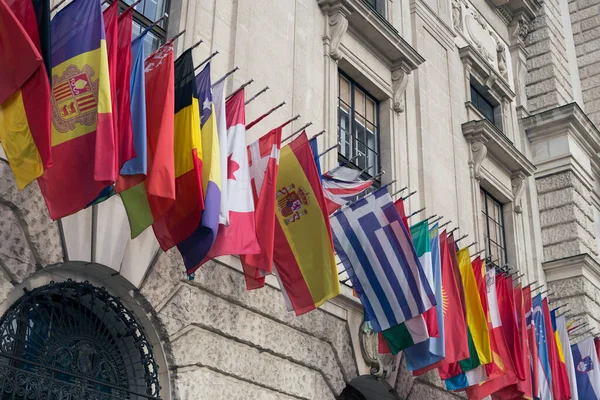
<point x="501" y="224"/>
<point x="379" y="6"/>
<point x="481" y="98"/>
<point x="350" y="129"/>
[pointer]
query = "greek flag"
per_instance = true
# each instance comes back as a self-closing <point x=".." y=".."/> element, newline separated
<point x="381" y="261"/>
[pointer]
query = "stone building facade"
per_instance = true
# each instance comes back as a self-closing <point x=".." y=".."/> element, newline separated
<point x="489" y="110"/>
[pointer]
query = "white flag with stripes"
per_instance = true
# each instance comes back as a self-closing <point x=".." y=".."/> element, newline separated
<point x="378" y="256"/>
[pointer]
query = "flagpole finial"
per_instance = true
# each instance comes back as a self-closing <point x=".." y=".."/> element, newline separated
<point x="240" y="88"/>
<point x="409" y="195"/>
<point x="461" y="238"/>
<point x="476" y="254"/>
<point x="436" y="220"/>
<point x="400" y="191"/>
<point x="416" y="212"/>
<point x="445" y="224"/>
<point x="225" y="76"/>
<point x="206" y="59"/>
<point x="328" y="150"/>
<point x="251" y="99"/>
<point x="178" y="35"/>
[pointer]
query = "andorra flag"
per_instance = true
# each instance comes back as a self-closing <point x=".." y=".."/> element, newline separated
<point x="83" y="146"/>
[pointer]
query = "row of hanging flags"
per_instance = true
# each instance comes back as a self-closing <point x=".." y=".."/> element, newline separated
<point x="84" y="114"/>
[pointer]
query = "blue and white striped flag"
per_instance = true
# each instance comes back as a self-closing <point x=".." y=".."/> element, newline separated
<point x="380" y="260"/>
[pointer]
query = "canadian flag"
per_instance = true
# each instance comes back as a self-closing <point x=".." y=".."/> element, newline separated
<point x="239" y="237"/>
<point x="264" y="163"/>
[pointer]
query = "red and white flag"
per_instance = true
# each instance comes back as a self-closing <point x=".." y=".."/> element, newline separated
<point x="239" y="237"/>
<point x="339" y="191"/>
<point x="263" y="155"/>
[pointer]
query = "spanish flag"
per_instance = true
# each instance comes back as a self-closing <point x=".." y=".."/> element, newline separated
<point x="182" y="219"/>
<point x="24" y="93"/>
<point x="303" y="251"/>
<point x="83" y="146"/>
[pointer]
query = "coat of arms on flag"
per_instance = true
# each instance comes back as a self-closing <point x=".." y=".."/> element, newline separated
<point x="291" y="203"/>
<point x="74" y="99"/>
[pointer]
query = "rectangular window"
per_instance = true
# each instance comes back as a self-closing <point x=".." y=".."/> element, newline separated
<point x="377" y="5"/>
<point x="358" y="134"/>
<point x="484" y="106"/>
<point x="144" y="15"/>
<point x="492" y="226"/>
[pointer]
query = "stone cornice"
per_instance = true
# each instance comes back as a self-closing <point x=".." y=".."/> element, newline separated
<point x="375" y="30"/>
<point x="483" y="133"/>
<point x="572" y="267"/>
<point x="565" y="119"/>
<point x="527" y="7"/>
<point x="485" y="73"/>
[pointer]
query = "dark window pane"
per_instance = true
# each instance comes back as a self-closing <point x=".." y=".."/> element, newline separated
<point x="492" y="226"/>
<point x="484" y="106"/>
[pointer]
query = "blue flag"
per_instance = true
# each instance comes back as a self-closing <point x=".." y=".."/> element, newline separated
<point x="544" y="373"/>
<point x="433" y="349"/>
<point x="314" y="148"/>
<point x="138" y="164"/>
<point x="587" y="370"/>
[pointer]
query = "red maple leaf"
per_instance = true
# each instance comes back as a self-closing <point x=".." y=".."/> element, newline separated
<point x="232" y="167"/>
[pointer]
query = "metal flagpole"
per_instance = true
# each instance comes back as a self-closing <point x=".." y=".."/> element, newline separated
<point x="241" y="87"/>
<point x="298" y="131"/>
<point x="207" y="60"/>
<point x="251" y="99"/>
<point x="328" y="150"/>
<point x="225" y="76"/>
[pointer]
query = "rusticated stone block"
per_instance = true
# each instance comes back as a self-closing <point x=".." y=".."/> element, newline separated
<point x="193" y="306"/>
<point x="560" y="181"/>
<point x="16" y="256"/>
<point x="201" y="347"/>
<point x="564" y="249"/>
<point x="164" y="277"/>
<point x="269" y="301"/>
<point x="204" y="384"/>
<point x="422" y="390"/>
<point x="30" y="210"/>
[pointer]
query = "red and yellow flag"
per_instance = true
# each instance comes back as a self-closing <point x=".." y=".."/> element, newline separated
<point x="24" y="94"/>
<point x="303" y="252"/>
<point x="83" y="146"/>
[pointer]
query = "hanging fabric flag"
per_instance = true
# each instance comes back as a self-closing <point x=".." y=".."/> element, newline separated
<point x="263" y="156"/>
<point x="150" y="198"/>
<point x="343" y="173"/>
<point x="314" y="148"/>
<point x="182" y="219"/>
<point x="523" y="387"/>
<point x="432" y="350"/>
<point x="218" y="93"/>
<point x="42" y="16"/>
<point x="17" y="46"/>
<point x="508" y="312"/>
<point x="423" y="248"/>
<point x="454" y="326"/>
<point x="194" y="248"/>
<point x="124" y="135"/>
<point x="500" y="351"/>
<point x="25" y="117"/>
<point x="137" y="166"/>
<point x="543" y="361"/>
<point x="339" y="192"/>
<point x="83" y="145"/>
<point x="479" y="341"/>
<point x="564" y="378"/>
<point x="587" y="372"/>
<point x="531" y="338"/>
<point x="240" y="236"/>
<point x="111" y="31"/>
<point x="560" y="382"/>
<point x="383" y="265"/>
<point x="303" y="248"/>
<point x="399" y="204"/>
<point x="561" y="331"/>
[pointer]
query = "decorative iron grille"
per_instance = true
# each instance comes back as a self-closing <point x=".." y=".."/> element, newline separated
<point x="71" y="341"/>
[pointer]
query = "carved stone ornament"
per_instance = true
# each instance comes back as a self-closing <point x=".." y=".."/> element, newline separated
<point x="517" y="183"/>
<point x="475" y="17"/>
<point x="520" y="31"/>
<point x="379" y="363"/>
<point x="478" y="151"/>
<point x="501" y="55"/>
<point x="399" y="82"/>
<point x="338" y="24"/>
<point x="456" y="15"/>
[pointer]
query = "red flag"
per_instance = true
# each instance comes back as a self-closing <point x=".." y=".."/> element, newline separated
<point x="560" y="383"/>
<point x="111" y="14"/>
<point x="400" y="207"/>
<point x="455" y="327"/>
<point x="123" y="80"/>
<point x="17" y="46"/>
<point x="263" y="158"/>
<point x="510" y="325"/>
<point x="597" y="344"/>
<point x="239" y="237"/>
